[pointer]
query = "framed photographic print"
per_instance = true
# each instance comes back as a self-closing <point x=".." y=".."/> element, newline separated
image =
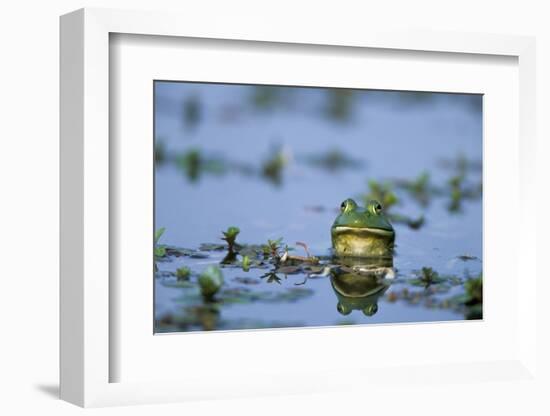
<point x="231" y="196"/>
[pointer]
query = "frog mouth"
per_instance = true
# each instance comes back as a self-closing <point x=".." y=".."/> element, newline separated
<point x="363" y="230"/>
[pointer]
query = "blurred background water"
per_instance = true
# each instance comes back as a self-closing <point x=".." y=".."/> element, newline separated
<point x="278" y="161"/>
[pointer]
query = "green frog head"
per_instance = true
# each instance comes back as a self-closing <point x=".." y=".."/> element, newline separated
<point x="362" y="232"/>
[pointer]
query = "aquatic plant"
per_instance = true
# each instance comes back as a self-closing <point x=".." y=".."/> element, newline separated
<point x="212" y="247"/>
<point x="457" y="187"/>
<point x="474" y="290"/>
<point x="207" y="316"/>
<point x="419" y="188"/>
<point x="381" y="192"/>
<point x="271" y="277"/>
<point x="230" y="258"/>
<point x="160" y="151"/>
<point x="210" y="281"/>
<point x="455" y="193"/>
<point x="271" y="249"/>
<point x="204" y="316"/>
<point x="409" y="98"/>
<point x="472" y="299"/>
<point x="253" y="251"/>
<point x="339" y="104"/>
<point x="427" y="277"/>
<point x="384" y="193"/>
<point x="461" y="164"/>
<point x="192" y="111"/>
<point x="230" y="236"/>
<point x="193" y="163"/>
<point x="246" y="263"/>
<point x="190" y="163"/>
<point x="272" y="168"/>
<point x="183" y="273"/>
<point x="413" y="223"/>
<point x="160" y="250"/>
<point x="333" y="160"/>
<point x="460" y="190"/>
<point x="265" y="97"/>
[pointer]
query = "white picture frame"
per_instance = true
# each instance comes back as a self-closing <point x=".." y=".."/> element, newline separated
<point x="87" y="302"/>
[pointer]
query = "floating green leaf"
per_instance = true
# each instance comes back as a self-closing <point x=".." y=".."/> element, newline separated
<point x="160" y="251"/>
<point x="210" y="281"/>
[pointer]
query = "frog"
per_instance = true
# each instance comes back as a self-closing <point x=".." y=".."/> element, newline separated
<point x="357" y="291"/>
<point x="362" y="232"/>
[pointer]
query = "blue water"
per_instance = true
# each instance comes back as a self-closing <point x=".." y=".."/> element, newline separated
<point x="394" y="136"/>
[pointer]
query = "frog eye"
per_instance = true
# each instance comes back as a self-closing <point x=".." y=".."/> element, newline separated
<point x="348" y="205"/>
<point x="343" y="309"/>
<point x="374" y="207"/>
<point x="370" y="310"/>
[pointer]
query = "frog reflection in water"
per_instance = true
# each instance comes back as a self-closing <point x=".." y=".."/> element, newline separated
<point x="358" y="284"/>
<point x="362" y="232"/>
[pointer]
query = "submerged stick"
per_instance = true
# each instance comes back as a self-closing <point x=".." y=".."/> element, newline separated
<point x="309" y="259"/>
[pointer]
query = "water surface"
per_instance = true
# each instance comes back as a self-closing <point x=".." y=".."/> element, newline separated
<point x="380" y="136"/>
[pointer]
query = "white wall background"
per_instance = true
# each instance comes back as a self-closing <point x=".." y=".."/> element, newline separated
<point x="29" y="205"/>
